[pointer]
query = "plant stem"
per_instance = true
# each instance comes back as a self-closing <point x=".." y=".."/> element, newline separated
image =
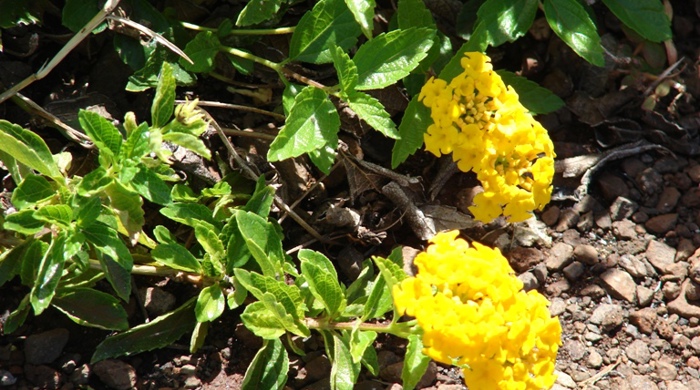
<point x="264" y="31"/>
<point x="399" y="329"/>
<point x="240" y="53"/>
<point x="152" y="270"/>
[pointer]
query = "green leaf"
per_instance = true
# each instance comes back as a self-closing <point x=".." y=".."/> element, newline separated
<point x="263" y="242"/>
<point x="190" y="214"/>
<point x="379" y="300"/>
<point x="31" y="190"/>
<point x="118" y="277"/>
<point x="188" y="141"/>
<point x="330" y="23"/>
<point x="88" y="211"/>
<point x="159" y="333"/>
<point x="360" y="340"/>
<point x="58" y="214"/>
<point x="77" y="13"/>
<point x="344" y="371"/>
<point x="149" y="185"/>
<point x="392" y="273"/>
<point x="128" y="206"/>
<point x="210" y="303"/>
<point x="48" y="275"/>
<point x="570" y="21"/>
<point x="324" y="158"/>
<point x="391" y="56"/>
<point x="269" y="367"/>
<point x="28" y="149"/>
<point x="31" y="259"/>
<point x="11" y="261"/>
<point x="89" y="307"/>
<point x="94" y="182"/>
<point x="202" y="51"/>
<point x="646" y="17"/>
<point x="536" y="99"/>
<point x="23" y="222"/>
<point x="17" y="317"/>
<point x="261" y="200"/>
<point x="106" y="240"/>
<point x="19" y="12"/>
<point x="312" y="124"/>
<point x="414" y="124"/>
<point x="147" y="77"/>
<point x="137" y="143"/>
<point x="346" y="69"/>
<point x="209" y="240"/>
<point x="262" y="322"/>
<point x="414" y="13"/>
<point x="257" y="11"/>
<point x="322" y="278"/>
<point x="363" y="11"/>
<point x="199" y="335"/>
<point x="102" y="132"/>
<point x="415" y="363"/>
<point x="372" y="111"/>
<point x="501" y="21"/>
<point x="176" y="256"/>
<point x="164" y="101"/>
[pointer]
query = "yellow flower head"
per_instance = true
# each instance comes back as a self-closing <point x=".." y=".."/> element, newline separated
<point x="474" y="313"/>
<point x="482" y="123"/>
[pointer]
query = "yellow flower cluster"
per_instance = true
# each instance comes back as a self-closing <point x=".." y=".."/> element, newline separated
<point x="480" y="120"/>
<point x="475" y="315"/>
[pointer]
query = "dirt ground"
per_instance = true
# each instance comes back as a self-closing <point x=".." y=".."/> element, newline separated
<point x="616" y="251"/>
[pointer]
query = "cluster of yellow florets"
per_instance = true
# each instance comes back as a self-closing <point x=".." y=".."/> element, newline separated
<point x="475" y="315"/>
<point x="480" y="120"/>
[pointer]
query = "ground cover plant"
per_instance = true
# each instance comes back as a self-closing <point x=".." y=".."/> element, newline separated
<point x="74" y="239"/>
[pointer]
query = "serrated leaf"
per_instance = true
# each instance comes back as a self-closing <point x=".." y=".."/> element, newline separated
<point x="322" y="278"/>
<point x="391" y="56"/>
<point x="501" y="21"/>
<point x="363" y="11"/>
<point x="106" y="240"/>
<point x="263" y="242"/>
<point x="261" y="200"/>
<point x="570" y="21"/>
<point x="312" y="124"/>
<point x="102" y="132"/>
<point x="48" y="275"/>
<point x="257" y="11"/>
<point x="360" y="340"/>
<point x="414" y="124"/>
<point x="391" y="272"/>
<point x="344" y="371"/>
<point x="17" y="317"/>
<point x="259" y="320"/>
<point x="646" y="17"/>
<point x="176" y="256"/>
<point x="415" y="363"/>
<point x="199" y="335"/>
<point x="147" y="77"/>
<point x="89" y="307"/>
<point x="31" y="258"/>
<point x="269" y="367"/>
<point x="94" y="182"/>
<point x="29" y="149"/>
<point x="330" y="23"/>
<point x="346" y="69"/>
<point x="324" y="158"/>
<point x="11" y="261"/>
<point x="159" y="333"/>
<point x="188" y="141"/>
<point x="129" y="207"/>
<point x="77" y="13"/>
<point x="536" y="99"/>
<point x="149" y="185"/>
<point x="210" y="303"/>
<point x="59" y="214"/>
<point x="413" y="13"/>
<point x="202" y="51"/>
<point x="88" y="211"/>
<point x="190" y="214"/>
<point x="209" y="240"/>
<point x="31" y="190"/>
<point x="23" y="222"/>
<point x="137" y="143"/>
<point x="379" y="300"/>
<point x="372" y="111"/>
<point x="164" y="100"/>
<point x="118" y="277"/>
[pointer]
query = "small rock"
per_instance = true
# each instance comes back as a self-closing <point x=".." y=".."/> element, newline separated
<point x="555" y="289"/>
<point x="316" y="369"/>
<point x="633" y="265"/>
<point x="694" y="173"/>
<point x="624" y="229"/>
<point x="540" y="272"/>
<point x="660" y="255"/>
<point x="644" y="296"/>
<point x="692" y="291"/>
<point x="556" y="307"/>
<point x="612" y="186"/>
<point x="156" y="300"/>
<point x="6" y="378"/>
<point x="661" y="224"/>
<point x="550" y="216"/>
<point x="42" y="348"/>
<point x="608" y="316"/>
<point x="529" y="281"/>
<point x="671" y="290"/>
<point x="43" y="376"/>
<point x="575" y="348"/>
<point x="116" y="374"/>
<point x="594" y="359"/>
<point x="523" y="259"/>
<point x="586" y="254"/>
<point x="684" y="249"/>
<point x="568" y="218"/>
<point x="192" y="382"/>
<point x="574" y="270"/>
<point x="691" y="198"/>
<point x="666" y="371"/>
<point x="668" y="200"/>
<point x="638" y="352"/>
<point x="676" y="385"/>
<point x="641" y="382"/>
<point x="650" y="181"/>
<point x="620" y="284"/>
<point x="644" y="320"/>
<point x="622" y="208"/>
<point x="633" y="166"/>
<point x="559" y="257"/>
<point x="592" y="290"/>
<point x="81" y="375"/>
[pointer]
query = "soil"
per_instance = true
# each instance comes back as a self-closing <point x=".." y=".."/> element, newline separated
<point x="616" y="251"/>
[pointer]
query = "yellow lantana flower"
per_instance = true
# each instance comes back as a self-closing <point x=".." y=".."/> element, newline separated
<point x="482" y="123"/>
<point x="474" y="313"/>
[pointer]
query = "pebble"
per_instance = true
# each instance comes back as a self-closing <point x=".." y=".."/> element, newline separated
<point x="575" y="348"/>
<point x="156" y="300"/>
<point x="529" y="281"/>
<point x="620" y="284"/>
<point x="624" y="229"/>
<point x="644" y="296"/>
<point x="574" y="270"/>
<point x="550" y="216"/>
<point x="622" y="208"/>
<point x="565" y="380"/>
<point x="612" y="186"/>
<point x="691" y="198"/>
<point x="641" y="382"/>
<point x="43" y="376"/>
<point x="6" y="378"/>
<point x="666" y="371"/>
<point x="661" y="224"/>
<point x="644" y="319"/>
<point x="115" y="374"/>
<point x="608" y="316"/>
<point x="586" y="254"/>
<point x="660" y="255"/>
<point x="650" y="181"/>
<point x="559" y="256"/>
<point x="638" y="352"/>
<point x="523" y="259"/>
<point x="45" y="347"/>
<point x="594" y="359"/>
<point x="557" y="288"/>
<point x="668" y="200"/>
<point x="633" y="265"/>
